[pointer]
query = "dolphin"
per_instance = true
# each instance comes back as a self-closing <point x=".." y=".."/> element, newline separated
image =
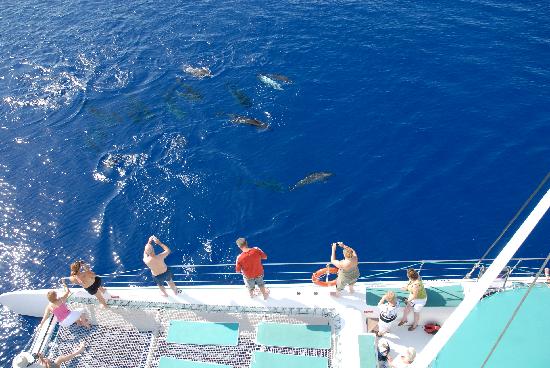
<point x="315" y="177"/>
<point x="280" y="77"/>
<point x="238" y="119"/>
<point x="240" y="96"/>
<point x="198" y="72"/>
<point x="270" y="82"/>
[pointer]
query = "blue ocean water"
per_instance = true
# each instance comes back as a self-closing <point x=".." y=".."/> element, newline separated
<point x="434" y="118"/>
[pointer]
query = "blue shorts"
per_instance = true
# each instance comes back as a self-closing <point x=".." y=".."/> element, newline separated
<point x="163" y="277"/>
<point x="251" y="283"/>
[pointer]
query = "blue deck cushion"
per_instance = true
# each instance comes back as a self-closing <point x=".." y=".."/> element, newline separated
<point x="166" y="362"/>
<point x="525" y="343"/>
<point x="203" y="333"/>
<point x="368" y="356"/>
<point x="438" y="296"/>
<point x="262" y="359"/>
<point x="294" y="335"/>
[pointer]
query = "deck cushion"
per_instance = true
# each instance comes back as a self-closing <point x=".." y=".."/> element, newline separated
<point x="294" y="335"/>
<point x="167" y="362"/>
<point x="368" y="356"/>
<point x="262" y="359"/>
<point x="203" y="333"/>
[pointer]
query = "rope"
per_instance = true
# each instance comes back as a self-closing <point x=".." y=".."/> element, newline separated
<point x="525" y="204"/>
<point x="515" y="312"/>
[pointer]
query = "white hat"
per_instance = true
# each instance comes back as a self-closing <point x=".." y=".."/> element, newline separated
<point x="410" y="354"/>
<point x="24" y="360"/>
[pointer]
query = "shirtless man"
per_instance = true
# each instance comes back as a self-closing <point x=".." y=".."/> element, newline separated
<point x="155" y="262"/>
<point x="348" y="270"/>
<point x="82" y="274"/>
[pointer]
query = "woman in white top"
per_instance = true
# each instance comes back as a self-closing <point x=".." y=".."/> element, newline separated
<point x="388" y="306"/>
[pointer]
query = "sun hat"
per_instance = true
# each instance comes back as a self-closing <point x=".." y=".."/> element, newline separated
<point x="410" y="354"/>
<point x="24" y="360"/>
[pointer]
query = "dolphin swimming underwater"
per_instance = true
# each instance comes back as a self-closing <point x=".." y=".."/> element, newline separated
<point x="270" y="82"/>
<point x="240" y="96"/>
<point x="280" y="77"/>
<point x="200" y="73"/>
<point x="238" y="119"/>
<point x="315" y="177"/>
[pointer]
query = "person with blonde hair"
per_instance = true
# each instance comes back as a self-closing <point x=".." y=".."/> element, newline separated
<point x="404" y="359"/>
<point x="58" y="307"/>
<point x="387" y="306"/>
<point x="416" y="300"/>
<point x="348" y="269"/>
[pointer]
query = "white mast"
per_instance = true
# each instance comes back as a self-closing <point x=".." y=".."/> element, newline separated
<point x="451" y="325"/>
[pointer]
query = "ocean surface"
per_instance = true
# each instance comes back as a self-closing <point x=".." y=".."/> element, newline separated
<point x="432" y="117"/>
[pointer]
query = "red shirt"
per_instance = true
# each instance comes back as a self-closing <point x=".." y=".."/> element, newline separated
<point x="250" y="263"/>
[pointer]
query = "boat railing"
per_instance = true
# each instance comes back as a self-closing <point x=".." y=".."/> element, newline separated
<point x="301" y="272"/>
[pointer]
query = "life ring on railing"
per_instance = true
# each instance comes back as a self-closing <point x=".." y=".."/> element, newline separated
<point x="322" y="273"/>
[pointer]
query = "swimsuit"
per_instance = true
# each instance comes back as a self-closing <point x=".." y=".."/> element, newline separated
<point x="164" y="277"/>
<point x="348" y="277"/>
<point x="92" y="289"/>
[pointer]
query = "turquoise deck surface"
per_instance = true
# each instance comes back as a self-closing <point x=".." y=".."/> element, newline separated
<point x="368" y="357"/>
<point x="166" y="362"/>
<point x="262" y="359"/>
<point x="295" y="336"/>
<point x="525" y="343"/>
<point x="440" y="296"/>
<point x="203" y="333"/>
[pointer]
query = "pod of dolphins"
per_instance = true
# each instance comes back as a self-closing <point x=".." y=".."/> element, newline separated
<point x="273" y="81"/>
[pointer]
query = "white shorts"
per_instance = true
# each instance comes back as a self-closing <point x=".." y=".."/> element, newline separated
<point x="71" y="318"/>
<point x="384" y="327"/>
<point x="418" y="304"/>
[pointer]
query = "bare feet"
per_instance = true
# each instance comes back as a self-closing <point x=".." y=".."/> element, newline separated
<point x="265" y="293"/>
<point x="164" y="295"/>
<point x="335" y="294"/>
<point x="103" y="306"/>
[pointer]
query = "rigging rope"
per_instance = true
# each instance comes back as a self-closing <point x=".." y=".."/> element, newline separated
<point x="515" y="311"/>
<point x="478" y="263"/>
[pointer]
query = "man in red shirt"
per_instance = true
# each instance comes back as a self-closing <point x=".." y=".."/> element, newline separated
<point x="249" y="263"/>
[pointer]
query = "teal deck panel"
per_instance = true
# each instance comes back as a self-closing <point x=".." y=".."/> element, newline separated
<point x="203" y="333"/>
<point x="294" y="335"/>
<point x="262" y="359"/>
<point x="525" y="343"/>
<point x="440" y="296"/>
<point x="166" y="362"/>
<point x="368" y="356"/>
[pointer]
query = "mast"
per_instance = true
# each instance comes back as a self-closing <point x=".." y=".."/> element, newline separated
<point x="452" y="324"/>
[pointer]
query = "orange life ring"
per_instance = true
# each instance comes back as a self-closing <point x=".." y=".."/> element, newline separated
<point x="322" y="273"/>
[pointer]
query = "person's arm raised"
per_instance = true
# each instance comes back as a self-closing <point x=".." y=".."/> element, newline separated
<point x="167" y="250"/>
<point x="333" y="259"/>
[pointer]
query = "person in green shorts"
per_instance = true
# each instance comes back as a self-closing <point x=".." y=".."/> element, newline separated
<point x="348" y="270"/>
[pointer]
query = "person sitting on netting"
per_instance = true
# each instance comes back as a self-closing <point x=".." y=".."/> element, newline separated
<point x="348" y="270"/>
<point x="82" y="274"/>
<point x="404" y="359"/>
<point x="25" y="359"/>
<point x="383" y="352"/>
<point x="388" y="306"/>
<point x="58" y="307"/>
<point x="161" y="272"/>
<point x="417" y="298"/>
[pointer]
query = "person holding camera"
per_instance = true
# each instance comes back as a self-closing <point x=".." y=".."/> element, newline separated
<point x="82" y="274"/>
<point x="348" y="269"/>
<point x="161" y="272"/>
